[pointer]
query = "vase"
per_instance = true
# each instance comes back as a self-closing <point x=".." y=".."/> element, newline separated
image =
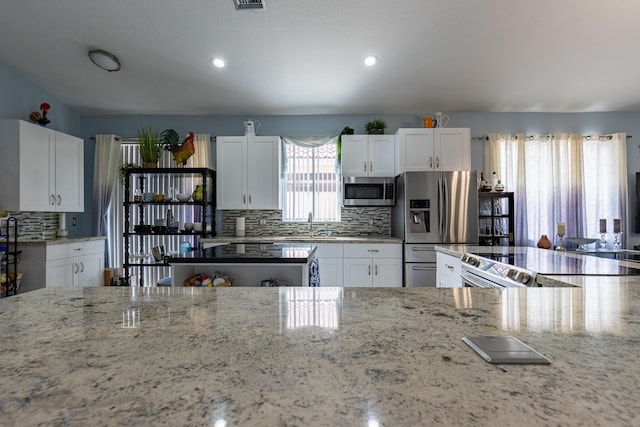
<point x="149" y="165"/>
<point x="544" y="242"/>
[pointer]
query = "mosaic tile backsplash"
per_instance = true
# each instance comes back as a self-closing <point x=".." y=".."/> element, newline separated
<point x="36" y="225"/>
<point x="355" y="222"/>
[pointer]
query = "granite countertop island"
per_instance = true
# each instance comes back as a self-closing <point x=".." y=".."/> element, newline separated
<point x="317" y="357"/>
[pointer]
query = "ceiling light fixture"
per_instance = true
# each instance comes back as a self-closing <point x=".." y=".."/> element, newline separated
<point x="370" y="60"/>
<point x="104" y="60"/>
<point x="218" y="62"/>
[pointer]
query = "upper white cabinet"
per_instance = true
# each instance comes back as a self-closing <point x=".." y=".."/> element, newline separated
<point x="49" y="166"/>
<point x="368" y="155"/>
<point x="439" y="149"/>
<point x="248" y="172"/>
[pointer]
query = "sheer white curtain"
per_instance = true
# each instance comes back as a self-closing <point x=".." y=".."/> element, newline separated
<point x="202" y="156"/>
<point x="105" y="180"/>
<point x="561" y="178"/>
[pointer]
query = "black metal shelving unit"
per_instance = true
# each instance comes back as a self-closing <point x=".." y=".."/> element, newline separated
<point x="10" y="258"/>
<point x="146" y="212"/>
<point x="497" y="223"/>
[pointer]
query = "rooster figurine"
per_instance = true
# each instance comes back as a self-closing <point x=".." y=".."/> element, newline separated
<point x="181" y="152"/>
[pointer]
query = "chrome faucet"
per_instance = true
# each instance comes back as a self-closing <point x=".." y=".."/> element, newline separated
<point x="310" y="221"/>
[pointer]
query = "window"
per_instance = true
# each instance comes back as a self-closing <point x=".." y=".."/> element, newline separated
<point x="311" y="182"/>
<point x="567" y="178"/>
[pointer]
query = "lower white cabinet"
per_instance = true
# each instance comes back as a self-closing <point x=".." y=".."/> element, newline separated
<point x="372" y="265"/>
<point x="330" y="261"/>
<point x="77" y="264"/>
<point x="448" y="271"/>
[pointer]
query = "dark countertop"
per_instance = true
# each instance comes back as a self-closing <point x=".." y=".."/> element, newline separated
<point x="286" y="253"/>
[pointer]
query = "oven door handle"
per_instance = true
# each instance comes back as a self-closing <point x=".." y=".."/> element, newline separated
<point x="477" y="281"/>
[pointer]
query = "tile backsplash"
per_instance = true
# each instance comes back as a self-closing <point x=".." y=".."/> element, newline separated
<point x="36" y="225"/>
<point x="355" y="222"/>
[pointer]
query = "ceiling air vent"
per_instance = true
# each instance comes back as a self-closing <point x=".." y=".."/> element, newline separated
<point x="249" y="4"/>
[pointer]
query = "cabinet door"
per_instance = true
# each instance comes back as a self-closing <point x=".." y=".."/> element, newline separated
<point x="453" y="148"/>
<point x="381" y="155"/>
<point x="358" y="272"/>
<point x="331" y="271"/>
<point x="61" y="273"/>
<point x="415" y="150"/>
<point x="90" y="269"/>
<point x="231" y="172"/>
<point x="387" y="272"/>
<point x="263" y="172"/>
<point x="69" y="173"/>
<point x="448" y="271"/>
<point x="355" y="155"/>
<point x="36" y="170"/>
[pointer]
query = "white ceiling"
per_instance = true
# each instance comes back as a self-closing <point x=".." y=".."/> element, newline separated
<point x="305" y="57"/>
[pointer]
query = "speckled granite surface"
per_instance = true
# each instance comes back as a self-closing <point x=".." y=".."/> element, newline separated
<point x="317" y="357"/>
<point x="35" y="240"/>
<point x="305" y="239"/>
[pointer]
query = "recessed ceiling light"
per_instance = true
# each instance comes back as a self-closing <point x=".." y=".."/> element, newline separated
<point x="370" y="60"/>
<point x="218" y="62"/>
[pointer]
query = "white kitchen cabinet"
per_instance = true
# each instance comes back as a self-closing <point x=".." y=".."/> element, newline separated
<point x="49" y="166"/>
<point x="330" y="261"/>
<point x="368" y="155"/>
<point x="439" y="149"/>
<point x="372" y="265"/>
<point x="248" y="172"/>
<point x="78" y="264"/>
<point x="448" y="271"/>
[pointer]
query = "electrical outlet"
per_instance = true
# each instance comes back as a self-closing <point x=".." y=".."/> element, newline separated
<point x="73" y="221"/>
<point x="370" y="221"/>
<point x="263" y="222"/>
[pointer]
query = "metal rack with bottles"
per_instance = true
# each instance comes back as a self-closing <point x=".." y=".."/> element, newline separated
<point x="496" y="225"/>
<point x="9" y="258"/>
<point x="151" y="198"/>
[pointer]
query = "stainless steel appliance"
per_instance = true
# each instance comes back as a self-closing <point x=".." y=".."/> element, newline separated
<point x="433" y="208"/>
<point x="480" y="272"/>
<point x="368" y="191"/>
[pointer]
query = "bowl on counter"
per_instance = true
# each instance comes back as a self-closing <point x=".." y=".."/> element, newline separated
<point x="183" y="197"/>
<point x="581" y="242"/>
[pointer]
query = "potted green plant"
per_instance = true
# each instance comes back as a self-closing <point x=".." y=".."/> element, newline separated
<point x="150" y="146"/>
<point x="375" y="127"/>
<point x="122" y="171"/>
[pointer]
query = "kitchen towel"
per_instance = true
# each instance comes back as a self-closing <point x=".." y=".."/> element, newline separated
<point x="240" y="224"/>
<point x="314" y="273"/>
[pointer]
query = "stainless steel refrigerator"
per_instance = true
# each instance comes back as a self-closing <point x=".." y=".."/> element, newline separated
<point x="433" y="208"/>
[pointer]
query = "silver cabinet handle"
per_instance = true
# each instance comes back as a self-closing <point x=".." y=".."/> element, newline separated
<point x="75" y="264"/>
<point x="376" y="270"/>
<point x="364" y="166"/>
<point x="81" y="267"/>
<point x="430" y="161"/>
<point x="52" y="200"/>
<point x="59" y="200"/>
<point x="437" y="162"/>
<point x="370" y="166"/>
<point x="249" y="198"/>
<point x="450" y="267"/>
<point x="369" y="270"/>
<point x="375" y="251"/>
<point x="244" y="199"/>
<point x="421" y="250"/>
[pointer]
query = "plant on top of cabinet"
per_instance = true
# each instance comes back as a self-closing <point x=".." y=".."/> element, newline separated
<point x="150" y="146"/>
<point x="122" y="172"/>
<point x="375" y="127"/>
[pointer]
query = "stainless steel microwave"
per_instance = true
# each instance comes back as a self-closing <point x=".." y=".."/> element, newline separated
<point x="368" y="191"/>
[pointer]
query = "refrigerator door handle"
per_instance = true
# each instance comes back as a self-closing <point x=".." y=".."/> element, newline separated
<point x="440" y="208"/>
<point x="445" y="197"/>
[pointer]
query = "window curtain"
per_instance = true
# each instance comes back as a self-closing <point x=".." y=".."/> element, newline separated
<point x="202" y="157"/>
<point x="107" y="160"/>
<point x="307" y="142"/>
<point x="561" y="178"/>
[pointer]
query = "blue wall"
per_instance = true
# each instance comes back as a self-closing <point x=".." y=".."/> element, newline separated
<point x="19" y="97"/>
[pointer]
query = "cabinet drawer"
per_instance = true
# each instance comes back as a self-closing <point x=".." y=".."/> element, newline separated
<point x="371" y="250"/>
<point x="68" y="250"/>
<point x="329" y="250"/>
